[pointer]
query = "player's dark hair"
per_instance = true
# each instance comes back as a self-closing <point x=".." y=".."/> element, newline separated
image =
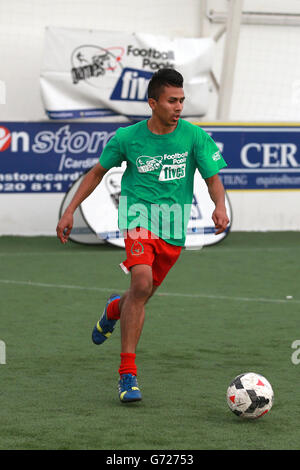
<point x="162" y="78"/>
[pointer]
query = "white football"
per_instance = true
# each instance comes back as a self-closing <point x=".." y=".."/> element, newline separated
<point x="250" y="395"/>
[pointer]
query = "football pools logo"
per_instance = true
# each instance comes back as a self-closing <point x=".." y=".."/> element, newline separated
<point x="147" y="164"/>
<point x="132" y="85"/>
<point x="171" y="167"/>
<point x="5" y="138"/>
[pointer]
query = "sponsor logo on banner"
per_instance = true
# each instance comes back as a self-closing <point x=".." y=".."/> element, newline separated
<point x="152" y="58"/>
<point x="49" y="157"/>
<point x="132" y="85"/>
<point x="263" y="157"/>
<point x="106" y="73"/>
<point x="5" y="138"/>
<point x="59" y="139"/>
<point x="90" y="63"/>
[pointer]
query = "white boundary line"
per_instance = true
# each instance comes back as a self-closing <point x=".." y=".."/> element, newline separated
<point x="55" y="286"/>
<point x="163" y="294"/>
<point x="208" y="249"/>
<point x="51" y="253"/>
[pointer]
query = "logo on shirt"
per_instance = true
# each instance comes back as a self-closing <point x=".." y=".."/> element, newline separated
<point x="147" y="164"/>
<point x="172" y="172"/>
<point x="170" y="166"/>
<point x="216" y="156"/>
<point x="137" y="248"/>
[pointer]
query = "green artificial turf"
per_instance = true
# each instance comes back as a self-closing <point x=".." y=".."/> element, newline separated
<point x="221" y="311"/>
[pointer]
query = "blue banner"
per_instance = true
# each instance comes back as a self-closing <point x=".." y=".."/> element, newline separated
<point x="259" y="157"/>
<point x="46" y="157"/>
<point x="41" y="157"/>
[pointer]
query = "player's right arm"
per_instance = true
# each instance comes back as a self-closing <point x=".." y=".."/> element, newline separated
<point x="87" y="186"/>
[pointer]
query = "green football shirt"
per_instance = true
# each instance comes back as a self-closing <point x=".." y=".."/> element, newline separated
<point x="157" y="184"/>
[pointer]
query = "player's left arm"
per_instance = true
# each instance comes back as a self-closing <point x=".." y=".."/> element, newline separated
<point x="217" y="194"/>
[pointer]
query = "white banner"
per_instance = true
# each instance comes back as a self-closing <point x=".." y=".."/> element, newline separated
<point x="99" y="73"/>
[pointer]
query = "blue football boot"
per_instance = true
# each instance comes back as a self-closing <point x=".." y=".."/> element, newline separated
<point x="128" y="389"/>
<point x="104" y="327"/>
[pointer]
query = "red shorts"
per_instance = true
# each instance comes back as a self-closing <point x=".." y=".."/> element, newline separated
<point x="143" y="247"/>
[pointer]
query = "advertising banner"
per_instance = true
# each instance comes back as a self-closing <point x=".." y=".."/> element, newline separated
<point x="89" y="73"/>
<point x="48" y="157"/>
<point x="42" y="157"/>
<point x="259" y="157"/>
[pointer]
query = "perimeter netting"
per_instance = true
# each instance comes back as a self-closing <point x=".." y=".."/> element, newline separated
<point x="267" y="68"/>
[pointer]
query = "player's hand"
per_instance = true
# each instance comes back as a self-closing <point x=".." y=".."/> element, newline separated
<point x="64" y="227"/>
<point x="220" y="219"/>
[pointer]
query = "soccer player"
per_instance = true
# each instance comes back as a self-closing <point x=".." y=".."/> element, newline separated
<point x="162" y="155"/>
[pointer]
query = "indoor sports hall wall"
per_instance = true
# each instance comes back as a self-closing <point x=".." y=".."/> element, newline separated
<point x="266" y="91"/>
<point x="267" y="75"/>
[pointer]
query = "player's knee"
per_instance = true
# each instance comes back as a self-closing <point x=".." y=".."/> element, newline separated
<point x="142" y="288"/>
